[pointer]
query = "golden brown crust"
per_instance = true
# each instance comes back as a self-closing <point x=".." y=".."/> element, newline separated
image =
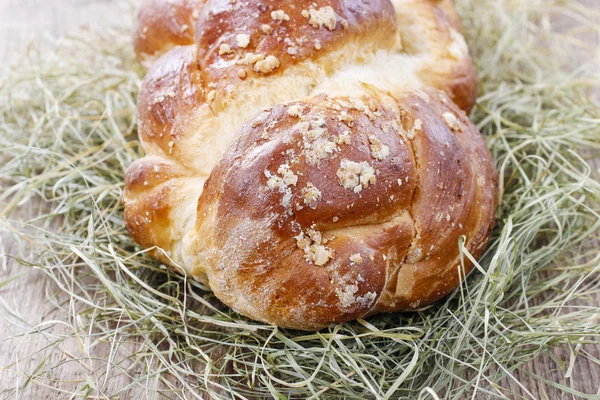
<point x="347" y="194"/>
<point x="230" y="36"/>
<point x="433" y="183"/>
<point x="158" y="195"/>
<point x="263" y="184"/>
<point x="164" y="24"/>
<point x="456" y="196"/>
<point x="171" y="89"/>
<point x="432" y="27"/>
<point x="462" y="83"/>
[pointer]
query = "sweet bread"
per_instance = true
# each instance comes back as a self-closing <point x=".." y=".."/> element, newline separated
<point x="311" y="162"/>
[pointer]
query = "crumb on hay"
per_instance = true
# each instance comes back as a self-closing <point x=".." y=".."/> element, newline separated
<point x="266" y="28"/>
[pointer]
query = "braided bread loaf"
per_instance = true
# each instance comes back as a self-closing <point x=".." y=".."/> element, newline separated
<point x="311" y="162"/>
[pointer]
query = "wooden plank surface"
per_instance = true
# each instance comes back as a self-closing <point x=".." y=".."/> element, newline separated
<point x="40" y="22"/>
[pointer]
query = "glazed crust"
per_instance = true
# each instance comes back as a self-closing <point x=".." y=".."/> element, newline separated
<point x="310" y="163"/>
<point x="164" y="24"/>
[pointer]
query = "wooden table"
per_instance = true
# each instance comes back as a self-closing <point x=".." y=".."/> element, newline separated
<point x="40" y="22"/>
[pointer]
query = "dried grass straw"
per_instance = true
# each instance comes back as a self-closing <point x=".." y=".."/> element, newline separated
<point x="68" y="133"/>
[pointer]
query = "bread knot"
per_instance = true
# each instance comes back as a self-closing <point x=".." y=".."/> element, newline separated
<point x="311" y="163"/>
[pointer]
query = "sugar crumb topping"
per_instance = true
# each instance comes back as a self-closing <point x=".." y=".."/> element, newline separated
<point x="279" y="15"/>
<point x="225" y="49"/>
<point x="313" y="245"/>
<point x="317" y="144"/>
<point x="417" y="127"/>
<point x="346" y="294"/>
<point x="356" y="176"/>
<point x="367" y="300"/>
<point x="311" y="195"/>
<point x="282" y="183"/>
<point x="295" y="111"/>
<point x="322" y="255"/>
<point x="288" y="176"/>
<point x="344" y="138"/>
<point x="378" y="150"/>
<point x="356" y="258"/>
<point x="323" y="17"/>
<point x="267" y="65"/>
<point x="344" y="116"/>
<point x="243" y="40"/>
<point x="452" y="122"/>
<point x="250" y="58"/>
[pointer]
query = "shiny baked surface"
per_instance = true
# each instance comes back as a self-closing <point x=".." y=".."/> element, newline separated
<point x="310" y="163"/>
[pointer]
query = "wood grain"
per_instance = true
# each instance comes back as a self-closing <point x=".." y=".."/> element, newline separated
<point x="40" y="23"/>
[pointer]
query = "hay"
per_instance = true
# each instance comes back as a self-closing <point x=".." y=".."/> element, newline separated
<point x="68" y="133"/>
